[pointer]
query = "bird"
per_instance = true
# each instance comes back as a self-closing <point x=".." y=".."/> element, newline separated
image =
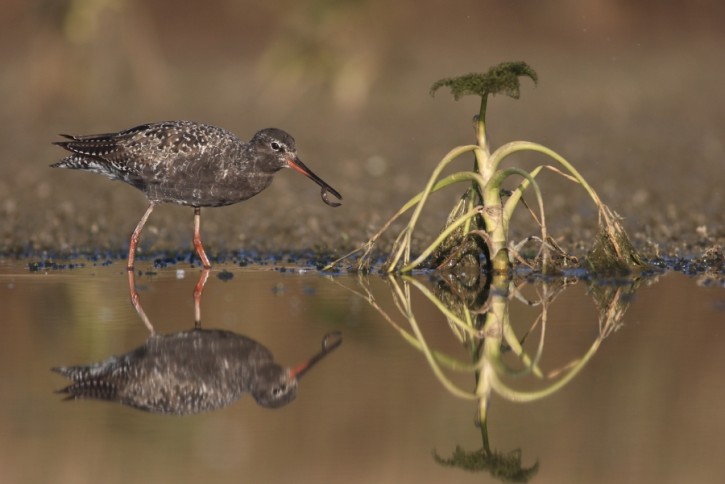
<point x="190" y="372"/>
<point x="188" y="163"/>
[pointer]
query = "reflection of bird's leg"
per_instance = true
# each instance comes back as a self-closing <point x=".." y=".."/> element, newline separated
<point x="198" y="290"/>
<point x="197" y="239"/>
<point x="136" y="302"/>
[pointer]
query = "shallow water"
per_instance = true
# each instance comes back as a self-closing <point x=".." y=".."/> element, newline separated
<point x="647" y="407"/>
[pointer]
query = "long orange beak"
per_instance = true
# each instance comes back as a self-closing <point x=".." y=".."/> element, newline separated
<point x="297" y="164"/>
<point x="329" y="343"/>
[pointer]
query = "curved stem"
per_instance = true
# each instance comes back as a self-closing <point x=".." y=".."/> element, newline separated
<point x="613" y="228"/>
<point x="508" y="209"/>
<point x="497" y="221"/>
<point x="468" y="328"/>
<point x="530" y="365"/>
<point x="445" y="360"/>
<point x="405" y="298"/>
<point x="516" y="195"/>
<point x="367" y="246"/>
<point x="510" y="148"/>
<point x="526" y="396"/>
<point x="405" y="246"/>
<point x="441" y="237"/>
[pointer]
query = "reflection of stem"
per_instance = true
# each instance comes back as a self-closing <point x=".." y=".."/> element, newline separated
<point x="484" y="437"/>
<point x="530" y="396"/>
<point x="404" y="297"/>
<point x="466" y="326"/>
<point x="442" y="358"/>
<point x="496" y="334"/>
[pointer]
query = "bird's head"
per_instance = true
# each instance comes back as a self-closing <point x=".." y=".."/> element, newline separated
<point x="278" y="150"/>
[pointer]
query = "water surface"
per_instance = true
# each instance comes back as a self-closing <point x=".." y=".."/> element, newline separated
<point x="646" y="407"/>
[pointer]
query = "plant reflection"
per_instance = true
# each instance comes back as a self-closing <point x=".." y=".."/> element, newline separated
<point x="191" y="371"/>
<point x="477" y="310"/>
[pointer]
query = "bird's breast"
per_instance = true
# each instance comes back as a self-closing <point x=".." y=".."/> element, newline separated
<point x="206" y="188"/>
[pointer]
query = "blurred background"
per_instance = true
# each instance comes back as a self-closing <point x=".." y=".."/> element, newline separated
<point x="631" y="92"/>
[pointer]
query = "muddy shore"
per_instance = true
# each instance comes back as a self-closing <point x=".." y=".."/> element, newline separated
<point x="640" y="114"/>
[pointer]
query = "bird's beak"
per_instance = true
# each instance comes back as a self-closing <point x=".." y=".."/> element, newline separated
<point x="297" y="164"/>
<point x="329" y="343"/>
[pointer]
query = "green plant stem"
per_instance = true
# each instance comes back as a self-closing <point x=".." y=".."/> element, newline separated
<point x="509" y="148"/>
<point x="404" y="248"/>
<point x="497" y="223"/>
<point x="612" y="227"/>
<point x="483" y="156"/>
<point x="466" y="217"/>
<point x="449" y="180"/>
<point x="473" y="198"/>
<point x="513" y="201"/>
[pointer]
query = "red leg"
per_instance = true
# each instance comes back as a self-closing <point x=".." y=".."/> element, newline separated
<point x="136" y="235"/>
<point x="197" y="239"/>
<point x="136" y="302"/>
<point x="198" y="290"/>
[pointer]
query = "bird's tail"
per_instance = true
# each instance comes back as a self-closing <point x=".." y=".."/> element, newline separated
<point x="74" y="162"/>
<point x="87" y="383"/>
<point x="89" y="152"/>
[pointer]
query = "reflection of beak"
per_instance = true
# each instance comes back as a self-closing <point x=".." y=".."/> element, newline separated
<point x="329" y="343"/>
<point x="297" y="164"/>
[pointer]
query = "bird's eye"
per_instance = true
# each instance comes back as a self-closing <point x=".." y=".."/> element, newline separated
<point x="276" y="146"/>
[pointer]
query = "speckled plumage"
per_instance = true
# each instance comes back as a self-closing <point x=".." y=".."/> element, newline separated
<point x="184" y="373"/>
<point x="188" y="163"/>
<point x="183" y="162"/>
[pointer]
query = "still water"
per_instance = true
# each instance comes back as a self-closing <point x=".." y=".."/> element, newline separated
<point x="643" y="404"/>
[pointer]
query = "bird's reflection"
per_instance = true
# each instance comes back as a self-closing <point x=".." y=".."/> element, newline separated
<point x="191" y="371"/>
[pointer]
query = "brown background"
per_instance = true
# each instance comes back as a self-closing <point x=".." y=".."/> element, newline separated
<point x="631" y="94"/>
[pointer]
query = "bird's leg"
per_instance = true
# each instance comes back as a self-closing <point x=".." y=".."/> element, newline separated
<point x="198" y="290"/>
<point x="136" y="235"/>
<point x="136" y="302"/>
<point x="197" y="239"/>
